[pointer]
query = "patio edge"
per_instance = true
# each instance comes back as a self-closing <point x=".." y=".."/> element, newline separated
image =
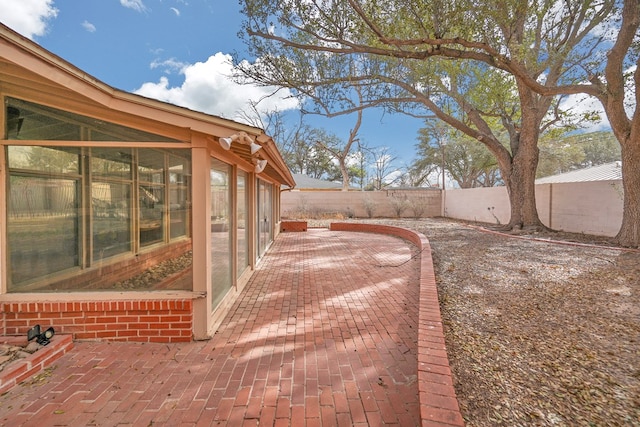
<point x="438" y="402"/>
<point x="35" y="363"/>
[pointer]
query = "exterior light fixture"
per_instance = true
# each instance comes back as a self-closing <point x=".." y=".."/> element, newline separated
<point x="42" y="338"/>
<point x="254" y="147"/>
<point x="225" y="143"/>
<point x="260" y="165"/>
<point x="242" y="138"/>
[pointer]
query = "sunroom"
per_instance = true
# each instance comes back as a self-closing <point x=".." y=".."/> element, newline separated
<point x="122" y="217"/>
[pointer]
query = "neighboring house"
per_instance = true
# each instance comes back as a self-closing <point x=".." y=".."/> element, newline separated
<point x="606" y="172"/>
<point x="122" y="217"/>
<point x="306" y="183"/>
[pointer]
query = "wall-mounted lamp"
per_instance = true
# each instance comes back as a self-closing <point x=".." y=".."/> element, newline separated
<point x="254" y="147"/>
<point x="260" y="165"/>
<point x="225" y="143"/>
<point x="42" y="338"/>
<point x="242" y="138"/>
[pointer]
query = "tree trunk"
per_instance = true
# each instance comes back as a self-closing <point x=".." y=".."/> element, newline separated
<point x="629" y="233"/>
<point x="521" y="184"/>
<point x="345" y="174"/>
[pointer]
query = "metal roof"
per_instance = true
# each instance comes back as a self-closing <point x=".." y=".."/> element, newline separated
<point x="305" y="182"/>
<point x="606" y="172"/>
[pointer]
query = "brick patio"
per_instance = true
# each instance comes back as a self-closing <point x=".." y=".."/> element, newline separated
<point x="335" y="328"/>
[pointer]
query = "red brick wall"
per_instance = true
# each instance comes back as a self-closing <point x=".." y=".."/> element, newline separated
<point x="293" y="226"/>
<point x="133" y="320"/>
<point x="403" y="233"/>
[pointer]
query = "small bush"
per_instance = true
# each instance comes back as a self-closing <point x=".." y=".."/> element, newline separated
<point x="369" y="207"/>
<point x="398" y="205"/>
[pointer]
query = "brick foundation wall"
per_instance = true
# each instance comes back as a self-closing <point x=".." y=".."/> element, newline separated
<point x="163" y="321"/>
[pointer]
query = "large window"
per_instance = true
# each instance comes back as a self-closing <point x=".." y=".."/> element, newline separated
<point x="179" y="195"/>
<point x="72" y="209"/>
<point x="221" y="253"/>
<point x="151" y="195"/>
<point x="111" y="202"/>
<point x="44" y="212"/>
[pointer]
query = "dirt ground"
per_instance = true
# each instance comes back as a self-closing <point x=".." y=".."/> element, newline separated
<point x="538" y="332"/>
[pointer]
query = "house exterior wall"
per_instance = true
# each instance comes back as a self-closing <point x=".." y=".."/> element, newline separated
<point x="83" y="297"/>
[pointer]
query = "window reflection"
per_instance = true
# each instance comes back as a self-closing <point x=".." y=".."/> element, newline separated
<point x="179" y="201"/>
<point x="111" y="201"/>
<point x="70" y="207"/>
<point x="151" y="196"/>
<point x="42" y="227"/>
<point x="29" y="121"/>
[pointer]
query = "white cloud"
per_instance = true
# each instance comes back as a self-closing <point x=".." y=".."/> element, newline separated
<point x="136" y="5"/>
<point x="584" y="105"/>
<point x="208" y="87"/>
<point x="581" y="105"/>
<point x="169" y="65"/>
<point x="176" y="11"/>
<point x="27" y="17"/>
<point x="89" y="26"/>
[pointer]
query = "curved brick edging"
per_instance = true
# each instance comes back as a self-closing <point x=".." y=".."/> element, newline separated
<point x="438" y="401"/>
<point x="35" y="363"/>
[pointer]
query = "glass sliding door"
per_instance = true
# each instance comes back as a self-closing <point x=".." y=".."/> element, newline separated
<point x="221" y="247"/>
<point x="242" y="223"/>
<point x="265" y="216"/>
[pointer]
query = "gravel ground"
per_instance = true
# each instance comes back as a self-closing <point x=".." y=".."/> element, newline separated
<point x="538" y="332"/>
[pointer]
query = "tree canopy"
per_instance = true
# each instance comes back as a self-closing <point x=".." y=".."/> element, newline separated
<point x="467" y="63"/>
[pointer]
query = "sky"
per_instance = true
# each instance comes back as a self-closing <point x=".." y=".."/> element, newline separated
<point x="180" y="51"/>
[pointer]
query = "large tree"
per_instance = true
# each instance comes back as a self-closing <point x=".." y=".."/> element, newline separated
<point x="341" y="152"/>
<point x="468" y="163"/>
<point x="399" y="52"/>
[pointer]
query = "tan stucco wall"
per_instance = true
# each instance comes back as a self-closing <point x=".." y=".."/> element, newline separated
<point x="580" y="207"/>
<point x="311" y="204"/>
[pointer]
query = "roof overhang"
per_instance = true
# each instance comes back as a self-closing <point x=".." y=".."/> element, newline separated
<point x="32" y="70"/>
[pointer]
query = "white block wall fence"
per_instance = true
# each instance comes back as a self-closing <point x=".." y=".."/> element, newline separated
<point x="579" y="207"/>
